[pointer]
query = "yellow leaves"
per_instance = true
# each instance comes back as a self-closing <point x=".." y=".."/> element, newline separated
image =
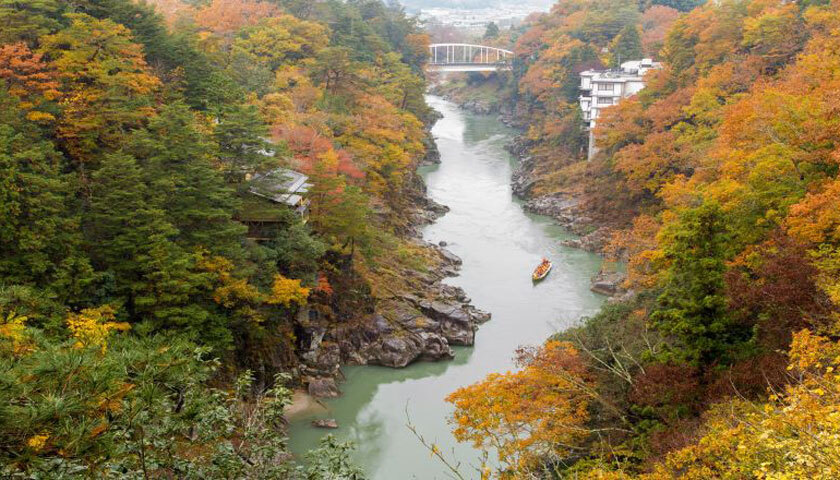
<point x="13" y="329"/>
<point x="282" y="39"/>
<point x="113" y="401"/>
<point x="13" y="326"/>
<point x="92" y="326"/>
<point x="238" y="295"/>
<point x="775" y="34"/>
<point x="37" y="442"/>
<point x="827" y="261"/>
<point x="40" y="117"/>
<point x="809" y="351"/>
<point x="106" y="83"/>
<point x="286" y="291"/>
<point x="794" y="434"/>
<point x="231" y="290"/>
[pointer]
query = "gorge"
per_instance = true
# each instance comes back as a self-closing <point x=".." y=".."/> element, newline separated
<point x="499" y="244"/>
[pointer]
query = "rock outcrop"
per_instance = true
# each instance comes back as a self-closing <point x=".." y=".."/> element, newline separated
<point x="419" y="325"/>
<point x="609" y="283"/>
<point x="323" y="387"/>
<point x="325" y="423"/>
<point x="419" y="318"/>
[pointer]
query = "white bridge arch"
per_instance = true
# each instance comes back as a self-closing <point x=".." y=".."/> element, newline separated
<point x="465" y="57"/>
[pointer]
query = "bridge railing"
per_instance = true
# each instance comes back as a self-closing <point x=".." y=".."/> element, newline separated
<point x="467" y="54"/>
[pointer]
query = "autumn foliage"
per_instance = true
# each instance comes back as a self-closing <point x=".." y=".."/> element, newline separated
<point x="529" y="415"/>
<point x="719" y="181"/>
<point x="130" y="135"/>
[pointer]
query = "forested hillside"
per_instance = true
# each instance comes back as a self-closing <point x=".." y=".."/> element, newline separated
<point x="143" y="331"/>
<point x="719" y="182"/>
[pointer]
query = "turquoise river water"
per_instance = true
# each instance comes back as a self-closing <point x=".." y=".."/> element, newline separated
<point x="500" y="245"/>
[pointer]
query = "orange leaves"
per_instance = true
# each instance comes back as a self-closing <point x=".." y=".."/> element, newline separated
<point x="26" y="72"/>
<point x="311" y="147"/>
<point x="621" y="125"/>
<point x="29" y="78"/>
<point x="648" y="166"/>
<point x="171" y="10"/>
<point x="640" y="245"/>
<point x="816" y="219"/>
<point x="224" y="17"/>
<point x="774" y="116"/>
<point x="324" y="286"/>
<point x="417" y="44"/>
<point x="656" y="21"/>
<point x="526" y="415"/>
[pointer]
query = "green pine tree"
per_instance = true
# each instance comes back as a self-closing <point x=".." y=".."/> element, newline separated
<point x="492" y="31"/>
<point x="178" y="164"/>
<point x="626" y="46"/>
<point x="39" y="229"/>
<point x="692" y="306"/>
<point x="243" y="149"/>
<point x="26" y="21"/>
<point x="132" y="239"/>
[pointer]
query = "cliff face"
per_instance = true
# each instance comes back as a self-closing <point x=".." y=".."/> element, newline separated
<point x="392" y="313"/>
<point x="478" y="93"/>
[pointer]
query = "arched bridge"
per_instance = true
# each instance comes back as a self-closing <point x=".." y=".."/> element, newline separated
<point x="464" y="57"/>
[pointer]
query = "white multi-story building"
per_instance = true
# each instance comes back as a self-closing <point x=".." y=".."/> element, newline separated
<point x="604" y="88"/>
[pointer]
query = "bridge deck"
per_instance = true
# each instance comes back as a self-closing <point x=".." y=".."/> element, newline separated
<point x="465" y="57"/>
<point x="466" y="67"/>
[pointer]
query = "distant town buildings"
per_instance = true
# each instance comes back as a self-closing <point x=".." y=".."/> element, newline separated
<point x="476" y="20"/>
<point x="604" y="88"/>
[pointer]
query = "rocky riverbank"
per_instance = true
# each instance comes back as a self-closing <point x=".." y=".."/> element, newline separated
<point x="570" y="213"/>
<point x="409" y="316"/>
<point x="480" y="98"/>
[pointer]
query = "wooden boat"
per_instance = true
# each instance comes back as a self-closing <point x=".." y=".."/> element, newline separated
<point x="542" y="270"/>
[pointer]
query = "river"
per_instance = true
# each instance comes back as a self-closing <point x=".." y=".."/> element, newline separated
<point x="500" y="245"/>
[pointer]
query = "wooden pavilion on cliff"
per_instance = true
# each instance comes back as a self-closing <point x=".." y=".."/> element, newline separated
<point x="269" y="198"/>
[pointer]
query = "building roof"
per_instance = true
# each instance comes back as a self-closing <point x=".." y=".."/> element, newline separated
<point x="632" y="70"/>
<point x="640" y="67"/>
<point x="281" y="186"/>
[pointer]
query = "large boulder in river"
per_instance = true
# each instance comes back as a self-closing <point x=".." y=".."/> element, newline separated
<point x="455" y="321"/>
<point x="398" y="351"/>
<point x="325" y="423"/>
<point x="323" y="387"/>
<point x="435" y="348"/>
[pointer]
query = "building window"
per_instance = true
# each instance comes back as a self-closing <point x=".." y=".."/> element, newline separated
<point x="605" y="101"/>
<point x="605" y="87"/>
